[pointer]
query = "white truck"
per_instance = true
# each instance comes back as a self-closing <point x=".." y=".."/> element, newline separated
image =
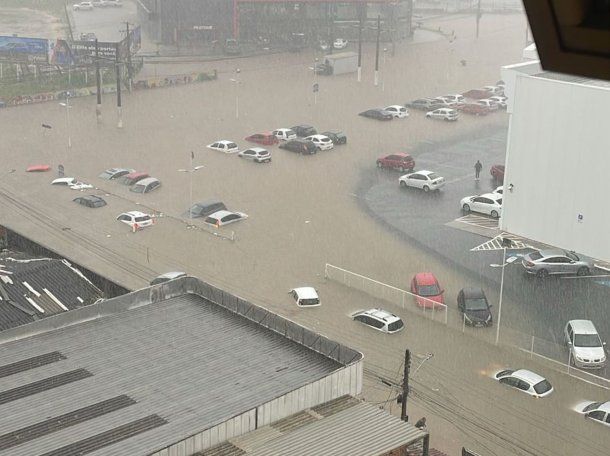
<point x="340" y="63"/>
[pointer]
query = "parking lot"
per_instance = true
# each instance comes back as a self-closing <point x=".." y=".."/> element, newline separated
<point x="304" y="211"/>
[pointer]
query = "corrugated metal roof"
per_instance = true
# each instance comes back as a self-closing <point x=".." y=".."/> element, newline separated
<point x="360" y="430"/>
<point x="573" y="79"/>
<point x="25" y="282"/>
<point x="191" y="362"/>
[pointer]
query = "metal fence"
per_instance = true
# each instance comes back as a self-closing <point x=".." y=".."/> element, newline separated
<point x="402" y="298"/>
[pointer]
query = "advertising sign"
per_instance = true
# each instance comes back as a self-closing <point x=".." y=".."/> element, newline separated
<point x="19" y="49"/>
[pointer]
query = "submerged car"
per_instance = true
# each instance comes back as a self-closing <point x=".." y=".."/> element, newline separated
<point x="224" y="217"/>
<point x="587" y="350"/>
<point x="266" y="139"/>
<point x="135" y="219"/>
<point x="132" y="178"/>
<point x="597" y="411"/>
<point x="146" y="185"/>
<point x="336" y="136"/>
<point x="284" y="134"/>
<point x="305" y="296"/>
<point x="379" y="319"/>
<point x="556" y="261"/>
<point x="399" y="161"/>
<point x="472" y="302"/>
<point x="228" y="147"/>
<point x="378" y="114"/>
<point x="399" y="112"/>
<point x="443" y="114"/>
<point x="304" y="130"/>
<point x="322" y="142"/>
<point x="115" y="173"/>
<point x="90" y="201"/>
<point x="526" y="381"/>
<point x="301" y="146"/>
<point x="256" y="154"/>
<point x="424" y="104"/>
<point x="428" y="291"/>
<point x="204" y="208"/>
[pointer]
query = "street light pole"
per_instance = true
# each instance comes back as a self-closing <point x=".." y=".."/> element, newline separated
<point x="501" y="292"/>
<point x="190" y="173"/>
<point x="67" y="106"/>
<point x="237" y="71"/>
<point x="384" y="72"/>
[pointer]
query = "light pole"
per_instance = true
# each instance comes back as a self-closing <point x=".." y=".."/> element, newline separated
<point x="190" y="173"/>
<point x="67" y="106"/>
<point x="236" y="81"/>
<point x="505" y="262"/>
<point x="385" y="51"/>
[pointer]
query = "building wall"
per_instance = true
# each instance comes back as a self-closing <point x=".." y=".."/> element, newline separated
<point x="558" y="160"/>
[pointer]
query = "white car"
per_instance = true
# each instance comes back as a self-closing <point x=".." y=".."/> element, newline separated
<point x="257" y="154"/>
<point x="399" y="112"/>
<point x="340" y="43"/>
<point x="284" y="134"/>
<point x="82" y="6"/>
<point x="488" y="203"/>
<point x="71" y="182"/>
<point x="488" y="103"/>
<point x="305" y="296"/>
<point x="499" y="190"/>
<point x="135" y="219"/>
<point x="500" y="100"/>
<point x="586" y="347"/>
<point x="598" y="411"/>
<point x="453" y="98"/>
<point x="443" y="114"/>
<point x="228" y="147"/>
<point x="322" y="142"/>
<point x="446" y="102"/>
<point x="379" y="319"/>
<point x="224" y="217"/>
<point x="526" y="381"/>
<point x="494" y="90"/>
<point x="426" y="180"/>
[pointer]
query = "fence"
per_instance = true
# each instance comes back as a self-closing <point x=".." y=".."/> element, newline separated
<point x="394" y="295"/>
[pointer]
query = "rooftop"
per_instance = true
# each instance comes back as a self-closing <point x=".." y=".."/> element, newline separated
<point x="574" y="79"/>
<point x="127" y="376"/>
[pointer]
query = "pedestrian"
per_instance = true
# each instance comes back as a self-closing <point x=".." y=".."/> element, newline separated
<point x="477" y="169"/>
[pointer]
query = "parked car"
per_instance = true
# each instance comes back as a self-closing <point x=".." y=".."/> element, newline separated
<point x="443" y="114"/>
<point x="499" y="190"/>
<point x="453" y="97"/>
<point x="135" y="219"/>
<point x="304" y="130"/>
<point x="204" y="208"/>
<point x="488" y="103"/>
<point x="448" y="102"/>
<point x="82" y="6"/>
<point x="301" y="146"/>
<point x="72" y="183"/>
<point x="526" y="381"/>
<point x="146" y="185"/>
<point x="586" y="347"/>
<point x="472" y="302"/>
<point x="38" y="168"/>
<point x="256" y="154"/>
<point x="115" y="173"/>
<point x="378" y="114"/>
<point x="379" y="319"/>
<point x="132" y="178"/>
<point x="497" y="172"/>
<point x="424" y="104"/>
<point x="428" y="291"/>
<point x="167" y="277"/>
<point x="397" y="111"/>
<point x="336" y="136"/>
<point x="305" y="296"/>
<point x="425" y="180"/>
<point x="494" y="90"/>
<point x="400" y="161"/>
<point x="340" y="43"/>
<point x="322" y="142"/>
<point x="224" y="217"/>
<point x="597" y="411"/>
<point x="556" y="261"/>
<point x="228" y="147"/>
<point x="488" y="203"/>
<point x="266" y="139"/>
<point x="90" y="201"/>
<point x="475" y="108"/>
<point x="285" y="134"/>
<point x="500" y="100"/>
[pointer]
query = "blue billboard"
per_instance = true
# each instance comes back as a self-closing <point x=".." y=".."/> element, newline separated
<point x="19" y="49"/>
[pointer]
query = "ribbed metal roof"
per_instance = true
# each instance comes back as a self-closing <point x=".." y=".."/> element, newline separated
<point x="192" y="363"/>
<point x="574" y="79"/>
<point x="361" y="430"/>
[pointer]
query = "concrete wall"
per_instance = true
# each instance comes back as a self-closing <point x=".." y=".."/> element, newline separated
<point x="558" y="160"/>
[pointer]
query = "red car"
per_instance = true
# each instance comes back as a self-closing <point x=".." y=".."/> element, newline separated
<point x="37" y="168"/>
<point x="428" y="290"/>
<point x="497" y="172"/>
<point x="402" y="162"/>
<point x="477" y="94"/>
<point x="266" y="139"/>
<point x="476" y="109"/>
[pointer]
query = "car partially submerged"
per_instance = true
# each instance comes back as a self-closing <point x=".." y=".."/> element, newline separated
<point x="224" y="217"/>
<point x="115" y="173"/>
<point x="379" y="319"/>
<point x="305" y="296"/>
<point x="91" y="201"/>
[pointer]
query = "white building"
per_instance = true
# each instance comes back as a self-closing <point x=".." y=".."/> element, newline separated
<point x="558" y="160"/>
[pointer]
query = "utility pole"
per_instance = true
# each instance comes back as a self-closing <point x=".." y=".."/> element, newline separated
<point x="377" y="50"/>
<point x="478" y="16"/>
<point x="129" y="68"/>
<point x="405" y="387"/>
<point x="360" y="45"/>
<point x="118" y="89"/>
<point x="98" y="84"/>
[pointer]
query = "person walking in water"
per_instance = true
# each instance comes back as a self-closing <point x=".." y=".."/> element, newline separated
<point x="477" y="169"/>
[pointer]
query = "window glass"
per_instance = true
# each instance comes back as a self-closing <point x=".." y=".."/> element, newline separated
<point x="523" y="385"/>
<point x="587" y="340"/>
<point x="542" y="387"/>
<point x="597" y="415"/>
<point x="376" y="323"/>
<point x="144" y="218"/>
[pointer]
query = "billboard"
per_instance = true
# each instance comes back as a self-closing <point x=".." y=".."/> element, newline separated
<point x="19" y="49"/>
